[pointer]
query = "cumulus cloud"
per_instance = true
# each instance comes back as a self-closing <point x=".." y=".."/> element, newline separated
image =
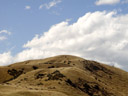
<point x="100" y="36"/>
<point x="27" y="7"/>
<point x="2" y="34"/>
<point x="5" y="58"/>
<point x="106" y="2"/>
<point x="50" y="4"/>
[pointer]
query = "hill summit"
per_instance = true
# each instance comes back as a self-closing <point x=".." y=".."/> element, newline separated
<point x="63" y="75"/>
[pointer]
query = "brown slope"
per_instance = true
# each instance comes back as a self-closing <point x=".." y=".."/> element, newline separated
<point x="62" y="75"/>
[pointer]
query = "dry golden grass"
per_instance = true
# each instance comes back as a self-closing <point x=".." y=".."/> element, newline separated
<point x="63" y="75"/>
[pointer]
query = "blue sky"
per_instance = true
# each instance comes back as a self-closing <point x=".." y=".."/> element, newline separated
<point x="22" y="20"/>
<point x="24" y="24"/>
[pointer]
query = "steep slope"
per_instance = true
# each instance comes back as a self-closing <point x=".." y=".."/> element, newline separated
<point x="63" y="75"/>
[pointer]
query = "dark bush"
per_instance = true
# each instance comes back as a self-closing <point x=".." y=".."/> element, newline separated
<point x="34" y="67"/>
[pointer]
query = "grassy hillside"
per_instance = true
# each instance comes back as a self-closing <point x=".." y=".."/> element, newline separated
<point x="63" y="75"/>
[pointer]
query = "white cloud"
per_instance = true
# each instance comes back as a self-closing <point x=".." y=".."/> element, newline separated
<point x="5" y="31"/>
<point x="101" y="36"/>
<point x="27" y="7"/>
<point x="50" y="4"/>
<point x="5" y="58"/>
<point x="106" y="2"/>
<point x="2" y="36"/>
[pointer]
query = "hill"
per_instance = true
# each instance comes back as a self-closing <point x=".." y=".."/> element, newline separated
<point x="62" y="75"/>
